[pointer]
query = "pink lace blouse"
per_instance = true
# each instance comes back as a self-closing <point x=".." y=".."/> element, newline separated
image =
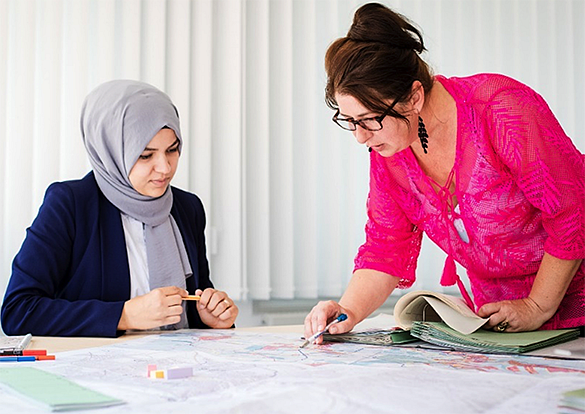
<point x="520" y="188"/>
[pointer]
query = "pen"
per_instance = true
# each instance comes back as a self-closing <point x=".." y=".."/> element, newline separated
<point x="192" y="297"/>
<point x="340" y="318"/>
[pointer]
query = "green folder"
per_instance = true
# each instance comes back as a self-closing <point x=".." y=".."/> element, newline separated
<point x="486" y="341"/>
<point x="53" y="391"/>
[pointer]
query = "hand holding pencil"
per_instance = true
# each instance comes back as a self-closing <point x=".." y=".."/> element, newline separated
<point x="215" y="308"/>
<point x="159" y="307"/>
<point x="164" y="306"/>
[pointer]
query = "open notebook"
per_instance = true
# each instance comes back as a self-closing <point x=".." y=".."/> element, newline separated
<point x="446" y="321"/>
<point x="424" y="305"/>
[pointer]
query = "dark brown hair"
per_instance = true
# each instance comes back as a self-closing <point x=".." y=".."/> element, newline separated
<point x="377" y="61"/>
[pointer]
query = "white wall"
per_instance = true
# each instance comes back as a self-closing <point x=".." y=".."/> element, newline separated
<point x="284" y="188"/>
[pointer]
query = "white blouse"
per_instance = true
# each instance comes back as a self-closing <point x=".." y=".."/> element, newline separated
<point x="136" y="249"/>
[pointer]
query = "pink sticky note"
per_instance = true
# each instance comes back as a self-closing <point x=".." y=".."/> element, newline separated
<point x="151" y="367"/>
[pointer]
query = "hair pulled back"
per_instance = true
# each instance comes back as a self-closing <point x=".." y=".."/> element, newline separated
<point x="377" y="61"/>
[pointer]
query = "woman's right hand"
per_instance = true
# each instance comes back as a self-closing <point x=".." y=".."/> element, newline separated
<point x="323" y="313"/>
<point x="159" y="307"/>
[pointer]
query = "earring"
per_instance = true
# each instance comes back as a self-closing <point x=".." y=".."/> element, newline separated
<point x="422" y="134"/>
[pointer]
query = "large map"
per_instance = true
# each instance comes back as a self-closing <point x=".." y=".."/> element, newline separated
<point x="244" y="372"/>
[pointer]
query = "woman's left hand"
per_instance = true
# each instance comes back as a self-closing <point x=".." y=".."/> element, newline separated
<point x="513" y="315"/>
<point x="550" y="286"/>
<point x="216" y="309"/>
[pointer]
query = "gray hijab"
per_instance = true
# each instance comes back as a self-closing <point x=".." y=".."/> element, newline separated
<point x="118" y="120"/>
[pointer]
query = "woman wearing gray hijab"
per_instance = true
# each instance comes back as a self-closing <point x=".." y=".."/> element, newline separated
<point x="119" y="249"/>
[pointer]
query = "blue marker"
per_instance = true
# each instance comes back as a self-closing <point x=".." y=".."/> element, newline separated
<point x="17" y="358"/>
<point x="340" y="318"/>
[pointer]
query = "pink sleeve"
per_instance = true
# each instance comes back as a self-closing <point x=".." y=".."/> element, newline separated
<point x="545" y="165"/>
<point x="392" y="242"/>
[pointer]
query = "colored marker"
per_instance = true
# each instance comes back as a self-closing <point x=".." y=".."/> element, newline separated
<point x="22" y="352"/>
<point x="340" y="318"/>
<point x="192" y="297"/>
<point x="45" y="357"/>
<point x="34" y="352"/>
<point x="18" y="358"/>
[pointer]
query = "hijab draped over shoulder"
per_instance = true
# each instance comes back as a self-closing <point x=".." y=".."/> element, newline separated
<point x="118" y="120"/>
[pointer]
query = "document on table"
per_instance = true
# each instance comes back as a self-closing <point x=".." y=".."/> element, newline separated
<point x="53" y="391"/>
<point x="14" y="343"/>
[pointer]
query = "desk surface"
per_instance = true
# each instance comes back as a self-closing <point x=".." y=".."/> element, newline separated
<point x="54" y="344"/>
<point x="262" y="370"/>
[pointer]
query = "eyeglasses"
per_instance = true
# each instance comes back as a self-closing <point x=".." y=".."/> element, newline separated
<point x="371" y="124"/>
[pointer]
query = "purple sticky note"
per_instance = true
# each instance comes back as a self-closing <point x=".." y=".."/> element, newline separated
<point x="176" y="373"/>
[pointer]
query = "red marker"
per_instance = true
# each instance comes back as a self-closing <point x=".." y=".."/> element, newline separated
<point x="45" y="357"/>
<point x="34" y="352"/>
<point x="23" y="352"/>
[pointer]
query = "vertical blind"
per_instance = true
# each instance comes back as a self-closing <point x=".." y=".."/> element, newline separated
<point x="283" y="187"/>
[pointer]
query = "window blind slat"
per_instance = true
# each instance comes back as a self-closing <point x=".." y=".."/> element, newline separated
<point x="257" y="148"/>
<point x="281" y="150"/>
<point x="283" y="187"/>
<point x="46" y="109"/>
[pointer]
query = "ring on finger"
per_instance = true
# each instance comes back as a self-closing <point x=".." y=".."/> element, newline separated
<point x="502" y="326"/>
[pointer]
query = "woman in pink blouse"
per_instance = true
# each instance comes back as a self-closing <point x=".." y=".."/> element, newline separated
<point x="480" y="164"/>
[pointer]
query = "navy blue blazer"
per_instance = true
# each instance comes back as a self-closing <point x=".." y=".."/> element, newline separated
<point x="71" y="276"/>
